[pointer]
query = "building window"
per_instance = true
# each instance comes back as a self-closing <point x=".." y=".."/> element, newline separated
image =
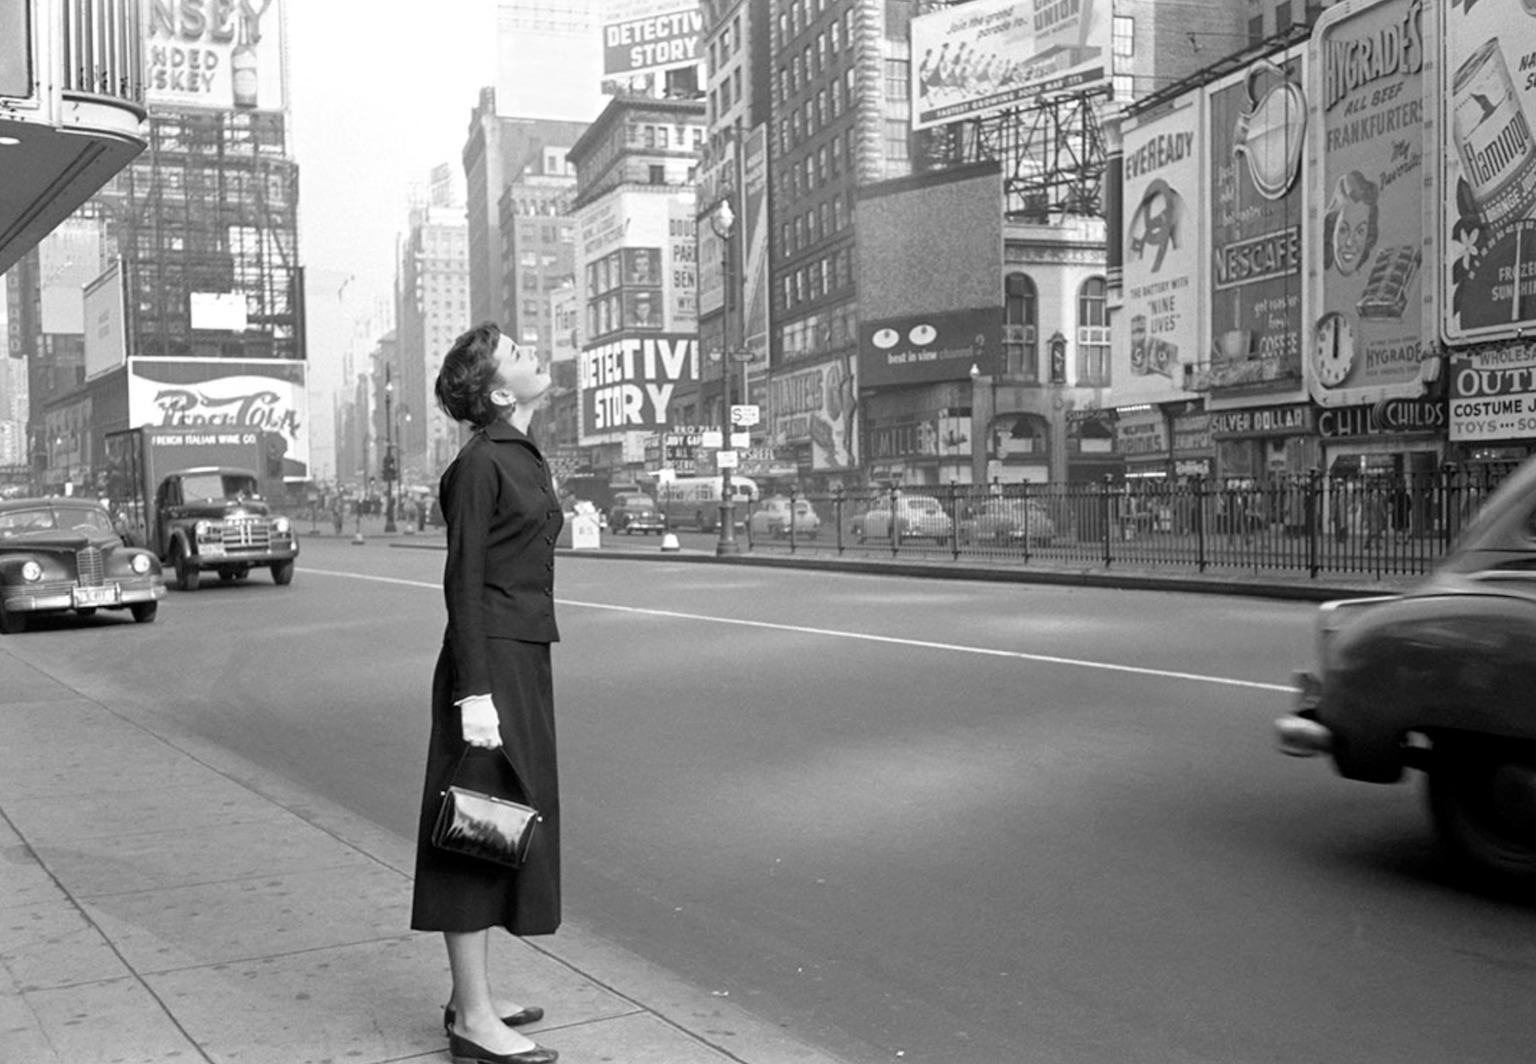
<point x="1092" y="334"/>
<point x="1256" y="29"/>
<point x="896" y="73"/>
<point x="658" y="175"/>
<point x="1020" y="355"/>
<point x="1125" y="87"/>
<point x="896" y="140"/>
<point x="1124" y="37"/>
<point x="1283" y="16"/>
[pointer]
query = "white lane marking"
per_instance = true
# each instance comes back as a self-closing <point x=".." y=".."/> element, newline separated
<point x="868" y="637"/>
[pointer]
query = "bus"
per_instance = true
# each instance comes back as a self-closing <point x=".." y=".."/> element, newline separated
<point x="694" y="502"/>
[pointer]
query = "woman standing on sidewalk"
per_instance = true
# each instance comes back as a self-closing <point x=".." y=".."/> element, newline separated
<point x="492" y="686"/>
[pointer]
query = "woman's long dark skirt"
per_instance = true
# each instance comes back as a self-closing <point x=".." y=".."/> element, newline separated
<point x="455" y="893"/>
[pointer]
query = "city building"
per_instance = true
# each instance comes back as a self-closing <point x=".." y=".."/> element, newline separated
<point x="499" y="150"/>
<point x="431" y="308"/>
<point x="636" y="215"/>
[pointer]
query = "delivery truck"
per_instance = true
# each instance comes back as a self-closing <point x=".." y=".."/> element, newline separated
<point x="198" y="498"/>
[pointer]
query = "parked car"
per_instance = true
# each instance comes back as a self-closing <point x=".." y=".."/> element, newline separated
<point x="1439" y="679"/>
<point x="64" y="555"/>
<point x="771" y="518"/>
<point x="1002" y="520"/>
<point x="633" y="512"/>
<point x="916" y="517"/>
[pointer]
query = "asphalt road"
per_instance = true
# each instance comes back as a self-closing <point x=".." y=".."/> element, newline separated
<point x="910" y="820"/>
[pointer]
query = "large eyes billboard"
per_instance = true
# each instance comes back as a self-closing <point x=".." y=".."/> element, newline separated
<point x="1159" y="327"/>
<point x="1488" y="197"/>
<point x="1365" y="260"/>
<point x="223" y="55"/>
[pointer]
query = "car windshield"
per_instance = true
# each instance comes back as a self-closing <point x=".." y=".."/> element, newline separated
<point x="924" y="505"/>
<point x="45" y="518"/>
<point x="218" y="486"/>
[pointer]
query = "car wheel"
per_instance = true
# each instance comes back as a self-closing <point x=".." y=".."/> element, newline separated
<point x="144" y="612"/>
<point x="282" y="573"/>
<point x="1482" y="799"/>
<point x="187" y="574"/>
<point x="11" y="622"/>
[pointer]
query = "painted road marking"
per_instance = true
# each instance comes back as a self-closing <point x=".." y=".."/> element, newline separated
<point x="867" y="637"/>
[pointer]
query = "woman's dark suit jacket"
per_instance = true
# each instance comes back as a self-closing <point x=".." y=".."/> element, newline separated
<point x="503" y="519"/>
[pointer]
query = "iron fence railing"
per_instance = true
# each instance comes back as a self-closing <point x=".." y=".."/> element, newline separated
<point x="1379" y="526"/>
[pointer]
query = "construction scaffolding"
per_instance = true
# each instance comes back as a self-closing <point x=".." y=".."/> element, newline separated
<point x="211" y="207"/>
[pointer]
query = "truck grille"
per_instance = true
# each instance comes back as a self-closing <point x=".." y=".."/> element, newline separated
<point x="247" y="534"/>
<point x="88" y="566"/>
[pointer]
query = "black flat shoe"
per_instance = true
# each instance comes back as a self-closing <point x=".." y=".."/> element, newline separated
<point x="462" y="1049"/>
<point x="531" y="1014"/>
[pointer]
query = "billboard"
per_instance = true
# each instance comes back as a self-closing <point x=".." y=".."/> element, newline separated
<point x="1255" y="125"/>
<point x="1487" y="197"/>
<point x="925" y="348"/>
<point x="816" y="406"/>
<point x="222" y="57"/>
<point x="975" y="58"/>
<point x="756" y="290"/>
<point x="106" y="322"/>
<point x="627" y="384"/>
<point x="1157" y="333"/>
<point x="637" y="43"/>
<point x="1493" y="393"/>
<point x="1365" y="252"/>
<point x="266" y="396"/>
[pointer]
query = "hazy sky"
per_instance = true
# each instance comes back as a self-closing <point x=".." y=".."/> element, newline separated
<point x="379" y="94"/>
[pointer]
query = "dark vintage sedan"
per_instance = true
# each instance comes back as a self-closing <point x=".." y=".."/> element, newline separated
<point x="1442" y="679"/>
<point x="63" y="555"/>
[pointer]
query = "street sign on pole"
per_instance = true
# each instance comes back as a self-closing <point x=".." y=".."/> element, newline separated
<point x="745" y="415"/>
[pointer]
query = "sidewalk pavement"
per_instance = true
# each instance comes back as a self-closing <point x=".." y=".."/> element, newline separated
<point x="162" y="900"/>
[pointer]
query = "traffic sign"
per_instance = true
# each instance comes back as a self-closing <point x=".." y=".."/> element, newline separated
<point x="746" y="414"/>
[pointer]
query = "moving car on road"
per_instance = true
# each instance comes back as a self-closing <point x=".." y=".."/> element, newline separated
<point x="772" y="519"/>
<point x="1005" y="521"/>
<point x="915" y="517"/>
<point x="63" y="555"/>
<point x="633" y="512"/>
<point x="1440" y="679"/>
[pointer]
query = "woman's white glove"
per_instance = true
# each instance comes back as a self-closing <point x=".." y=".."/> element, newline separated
<point x="482" y="726"/>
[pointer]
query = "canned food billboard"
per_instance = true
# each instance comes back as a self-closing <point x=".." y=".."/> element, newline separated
<point x="1256" y="122"/>
<point x="1487" y="196"/>
<point x="1365" y="259"/>
<point x="1158" y="331"/>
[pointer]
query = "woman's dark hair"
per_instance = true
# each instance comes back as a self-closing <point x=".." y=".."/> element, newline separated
<point x="469" y="375"/>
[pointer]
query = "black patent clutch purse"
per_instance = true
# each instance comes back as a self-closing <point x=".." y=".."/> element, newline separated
<point x="486" y="826"/>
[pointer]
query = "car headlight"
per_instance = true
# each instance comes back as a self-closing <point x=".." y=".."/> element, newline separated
<point x="31" y="572"/>
<point x="280" y="526"/>
<point x="202" y="529"/>
<point x="140" y="564"/>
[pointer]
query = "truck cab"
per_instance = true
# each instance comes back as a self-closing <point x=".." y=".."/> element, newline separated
<point x="213" y="518"/>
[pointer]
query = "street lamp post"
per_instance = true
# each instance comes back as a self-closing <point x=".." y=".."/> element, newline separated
<point x="723" y="220"/>
<point x="981" y="423"/>
<point x="391" y="469"/>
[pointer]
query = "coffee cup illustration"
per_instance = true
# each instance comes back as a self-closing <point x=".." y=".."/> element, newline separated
<point x="1268" y="134"/>
<point x="1233" y="345"/>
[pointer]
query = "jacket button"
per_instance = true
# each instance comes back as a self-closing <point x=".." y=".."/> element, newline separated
<point x="547" y="539"/>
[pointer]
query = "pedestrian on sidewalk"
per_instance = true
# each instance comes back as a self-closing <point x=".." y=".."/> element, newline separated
<point x="492" y="688"/>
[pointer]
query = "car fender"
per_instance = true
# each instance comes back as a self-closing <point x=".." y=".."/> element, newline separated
<point x="1463" y="661"/>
